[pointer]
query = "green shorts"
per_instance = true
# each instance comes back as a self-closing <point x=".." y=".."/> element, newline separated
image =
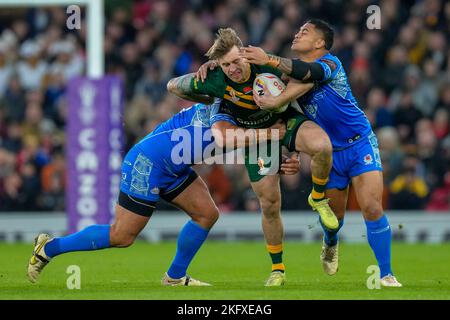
<point x="273" y="152"/>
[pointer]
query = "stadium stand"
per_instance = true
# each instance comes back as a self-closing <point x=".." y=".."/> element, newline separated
<point x="400" y="76"/>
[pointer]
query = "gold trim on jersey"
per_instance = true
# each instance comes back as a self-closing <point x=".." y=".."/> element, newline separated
<point x="236" y="101"/>
<point x="239" y="94"/>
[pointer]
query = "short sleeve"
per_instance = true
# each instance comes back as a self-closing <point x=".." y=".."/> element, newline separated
<point x="330" y="67"/>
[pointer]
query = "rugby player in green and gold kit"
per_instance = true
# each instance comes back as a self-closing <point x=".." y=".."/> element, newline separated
<point x="233" y="83"/>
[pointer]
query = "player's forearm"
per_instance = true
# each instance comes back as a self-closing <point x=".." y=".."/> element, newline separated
<point x="181" y="87"/>
<point x="293" y="91"/>
<point x="251" y="137"/>
<point x="233" y="137"/>
<point x="282" y="64"/>
<point x="297" y="69"/>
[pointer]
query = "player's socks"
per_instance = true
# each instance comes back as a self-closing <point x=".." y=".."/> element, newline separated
<point x="276" y="254"/>
<point x="331" y="237"/>
<point x="190" y="240"/>
<point x="379" y="237"/>
<point x="94" y="237"/>
<point x="318" y="191"/>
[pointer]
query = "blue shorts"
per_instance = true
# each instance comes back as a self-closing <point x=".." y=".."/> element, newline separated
<point x="362" y="157"/>
<point x="148" y="176"/>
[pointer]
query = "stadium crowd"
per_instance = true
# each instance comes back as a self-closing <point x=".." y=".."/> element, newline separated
<point x="400" y="76"/>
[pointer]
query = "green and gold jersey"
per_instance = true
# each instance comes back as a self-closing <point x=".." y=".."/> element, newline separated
<point x="238" y="97"/>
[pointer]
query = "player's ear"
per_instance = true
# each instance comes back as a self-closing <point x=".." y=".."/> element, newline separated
<point x="320" y="43"/>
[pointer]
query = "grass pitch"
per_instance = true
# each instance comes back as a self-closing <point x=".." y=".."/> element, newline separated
<point x="237" y="270"/>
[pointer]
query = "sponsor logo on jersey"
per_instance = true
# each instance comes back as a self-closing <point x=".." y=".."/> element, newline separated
<point x="254" y="123"/>
<point x="247" y="90"/>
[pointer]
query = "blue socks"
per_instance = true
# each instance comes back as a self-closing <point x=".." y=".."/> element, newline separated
<point x="190" y="240"/>
<point x="379" y="237"/>
<point x="94" y="237"/>
<point x="331" y="237"/>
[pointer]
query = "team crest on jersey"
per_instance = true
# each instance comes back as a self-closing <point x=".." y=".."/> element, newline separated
<point x="368" y="159"/>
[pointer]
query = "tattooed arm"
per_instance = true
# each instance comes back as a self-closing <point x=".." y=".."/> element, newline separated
<point x="297" y="69"/>
<point x="181" y="87"/>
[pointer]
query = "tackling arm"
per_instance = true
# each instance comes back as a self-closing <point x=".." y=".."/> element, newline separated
<point x="293" y="91"/>
<point x="229" y="136"/>
<point x="297" y="69"/>
<point x="181" y="87"/>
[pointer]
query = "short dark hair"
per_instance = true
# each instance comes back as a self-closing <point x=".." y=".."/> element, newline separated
<point x="326" y="29"/>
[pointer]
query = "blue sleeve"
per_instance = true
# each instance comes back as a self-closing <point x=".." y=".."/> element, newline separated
<point x="330" y="67"/>
<point x="216" y="116"/>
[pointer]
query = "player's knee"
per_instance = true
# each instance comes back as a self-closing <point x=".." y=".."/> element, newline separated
<point x="322" y="147"/>
<point x="372" y="210"/>
<point x="270" y="207"/>
<point x="208" y="218"/>
<point x="120" y="239"/>
<point x="212" y="216"/>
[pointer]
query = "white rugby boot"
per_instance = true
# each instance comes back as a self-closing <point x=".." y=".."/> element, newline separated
<point x="390" y="281"/>
<point x="184" y="281"/>
<point x="39" y="259"/>
<point x="330" y="258"/>
<point x="276" y="279"/>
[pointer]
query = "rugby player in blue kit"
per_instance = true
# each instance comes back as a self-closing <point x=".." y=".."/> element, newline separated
<point x="150" y="171"/>
<point x="356" y="157"/>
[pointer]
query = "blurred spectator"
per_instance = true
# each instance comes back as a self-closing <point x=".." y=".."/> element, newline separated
<point x="294" y="194"/>
<point x="440" y="197"/>
<point x="31" y="69"/>
<point x="406" y="117"/>
<point x="6" y="69"/>
<point x="390" y="152"/>
<point x="408" y="190"/>
<point x="13" y="196"/>
<point x="376" y="102"/>
<point x="219" y="186"/>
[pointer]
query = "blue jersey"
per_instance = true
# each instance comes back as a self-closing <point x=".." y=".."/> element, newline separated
<point x="188" y="132"/>
<point x="332" y="106"/>
<point x="160" y="164"/>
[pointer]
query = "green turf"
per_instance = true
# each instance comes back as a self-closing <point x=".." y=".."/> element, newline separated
<point x="236" y="270"/>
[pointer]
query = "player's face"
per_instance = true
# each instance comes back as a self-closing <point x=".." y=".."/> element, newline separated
<point x="233" y="66"/>
<point x="307" y="39"/>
